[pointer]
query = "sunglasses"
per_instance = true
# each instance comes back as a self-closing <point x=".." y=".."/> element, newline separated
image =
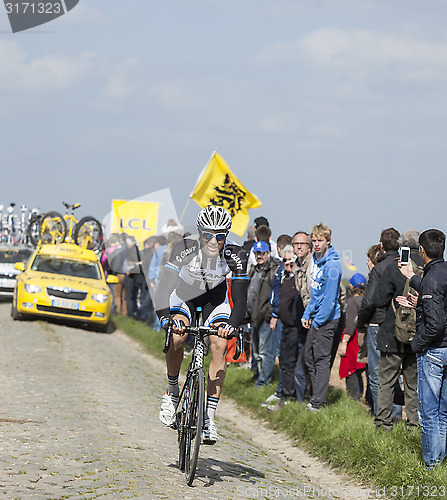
<point x="207" y="236"/>
<point x="287" y="261"/>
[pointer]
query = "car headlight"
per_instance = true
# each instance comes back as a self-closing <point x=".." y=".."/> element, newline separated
<point x="30" y="288"/>
<point x="100" y="297"/>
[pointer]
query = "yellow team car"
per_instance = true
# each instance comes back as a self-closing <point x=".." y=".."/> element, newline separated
<point x="63" y="281"/>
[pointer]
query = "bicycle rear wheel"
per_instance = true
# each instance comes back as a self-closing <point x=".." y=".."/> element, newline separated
<point x="194" y="424"/>
<point x="52" y="228"/>
<point x="88" y="234"/>
<point x="33" y="231"/>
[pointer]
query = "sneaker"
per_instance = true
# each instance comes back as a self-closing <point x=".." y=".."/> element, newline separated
<point x="210" y="435"/>
<point x="282" y="403"/>
<point x="309" y="407"/>
<point x="167" y="410"/>
<point x="271" y="400"/>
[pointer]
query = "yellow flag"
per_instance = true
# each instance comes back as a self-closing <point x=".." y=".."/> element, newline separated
<point x="136" y="218"/>
<point x="217" y="185"/>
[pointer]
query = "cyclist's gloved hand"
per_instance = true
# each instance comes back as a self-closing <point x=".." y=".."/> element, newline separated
<point x="179" y="326"/>
<point x="225" y="330"/>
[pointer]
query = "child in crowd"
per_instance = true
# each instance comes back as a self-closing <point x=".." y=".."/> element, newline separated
<point x="348" y="349"/>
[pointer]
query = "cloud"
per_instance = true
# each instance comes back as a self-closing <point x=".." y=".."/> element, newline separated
<point x="47" y="74"/>
<point x="119" y="83"/>
<point x="57" y="73"/>
<point x="362" y="53"/>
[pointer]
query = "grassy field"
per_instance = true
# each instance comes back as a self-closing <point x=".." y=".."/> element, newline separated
<point x="343" y="433"/>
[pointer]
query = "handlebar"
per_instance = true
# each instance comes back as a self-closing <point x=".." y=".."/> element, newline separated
<point x="206" y="331"/>
<point x="70" y="207"/>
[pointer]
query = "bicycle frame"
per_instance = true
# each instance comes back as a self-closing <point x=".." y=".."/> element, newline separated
<point x="70" y="220"/>
<point x="190" y="410"/>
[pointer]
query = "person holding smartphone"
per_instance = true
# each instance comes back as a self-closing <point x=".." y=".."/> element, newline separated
<point x="430" y="343"/>
<point x="396" y="357"/>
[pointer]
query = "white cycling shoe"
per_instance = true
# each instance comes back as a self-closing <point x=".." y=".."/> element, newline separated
<point x="210" y="435"/>
<point x="167" y="410"/>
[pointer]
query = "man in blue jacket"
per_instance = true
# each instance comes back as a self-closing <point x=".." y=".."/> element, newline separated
<point x="322" y="313"/>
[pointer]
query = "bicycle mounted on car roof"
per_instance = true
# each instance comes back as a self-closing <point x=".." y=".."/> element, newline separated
<point x="15" y="229"/>
<point x="55" y="228"/>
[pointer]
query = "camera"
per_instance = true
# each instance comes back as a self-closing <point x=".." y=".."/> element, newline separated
<point x="404" y="255"/>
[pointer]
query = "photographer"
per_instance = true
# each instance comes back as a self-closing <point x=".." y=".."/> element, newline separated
<point x="396" y="357"/>
<point x="430" y="343"/>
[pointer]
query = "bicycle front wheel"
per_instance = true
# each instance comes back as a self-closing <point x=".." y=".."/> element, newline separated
<point x="194" y="424"/>
<point x="52" y="228"/>
<point x="88" y="234"/>
<point x="181" y="429"/>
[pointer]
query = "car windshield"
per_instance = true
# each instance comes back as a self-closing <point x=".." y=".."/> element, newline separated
<point x="54" y="265"/>
<point x="14" y="255"/>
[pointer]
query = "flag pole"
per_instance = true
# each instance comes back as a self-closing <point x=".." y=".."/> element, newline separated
<point x="198" y="179"/>
<point x="184" y="210"/>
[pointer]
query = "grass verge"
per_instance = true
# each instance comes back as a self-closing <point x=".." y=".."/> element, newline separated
<point x="343" y="434"/>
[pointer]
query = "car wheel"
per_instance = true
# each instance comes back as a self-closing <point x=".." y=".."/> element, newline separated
<point x="108" y="328"/>
<point x="16" y="316"/>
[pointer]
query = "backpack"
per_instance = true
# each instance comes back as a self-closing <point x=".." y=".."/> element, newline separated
<point x="405" y="324"/>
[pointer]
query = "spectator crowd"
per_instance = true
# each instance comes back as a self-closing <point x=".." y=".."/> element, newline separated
<point x="389" y="329"/>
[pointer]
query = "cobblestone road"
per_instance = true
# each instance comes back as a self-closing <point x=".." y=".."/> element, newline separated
<point x="79" y="419"/>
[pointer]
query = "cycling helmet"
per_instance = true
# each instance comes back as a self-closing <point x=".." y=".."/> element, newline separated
<point x="214" y="219"/>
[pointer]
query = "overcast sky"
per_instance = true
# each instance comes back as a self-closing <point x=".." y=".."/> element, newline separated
<point x="327" y="110"/>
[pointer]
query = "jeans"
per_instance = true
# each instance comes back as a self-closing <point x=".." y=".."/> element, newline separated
<point x="278" y="335"/>
<point x="373" y="369"/>
<point x="432" y="388"/>
<point x="264" y="351"/>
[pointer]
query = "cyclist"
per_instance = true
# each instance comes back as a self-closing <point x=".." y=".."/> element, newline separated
<point x="195" y="275"/>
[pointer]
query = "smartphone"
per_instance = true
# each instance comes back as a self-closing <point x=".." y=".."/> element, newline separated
<point x="404" y="255"/>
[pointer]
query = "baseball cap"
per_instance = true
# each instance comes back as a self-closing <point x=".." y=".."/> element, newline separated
<point x="357" y="279"/>
<point x="261" y="221"/>
<point x="261" y="246"/>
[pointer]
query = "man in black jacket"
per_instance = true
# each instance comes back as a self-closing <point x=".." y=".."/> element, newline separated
<point x="430" y="344"/>
<point x="371" y="316"/>
<point x="394" y="355"/>
<point x="260" y="312"/>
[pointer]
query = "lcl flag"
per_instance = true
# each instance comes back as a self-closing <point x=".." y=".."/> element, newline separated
<point x="135" y="218"/>
<point x="24" y="15"/>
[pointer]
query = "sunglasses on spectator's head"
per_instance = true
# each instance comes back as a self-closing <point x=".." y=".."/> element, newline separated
<point x="208" y="236"/>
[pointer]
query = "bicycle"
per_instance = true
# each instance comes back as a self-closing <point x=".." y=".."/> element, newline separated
<point x="190" y="409"/>
<point x="55" y="228"/>
<point x="15" y="229"/>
